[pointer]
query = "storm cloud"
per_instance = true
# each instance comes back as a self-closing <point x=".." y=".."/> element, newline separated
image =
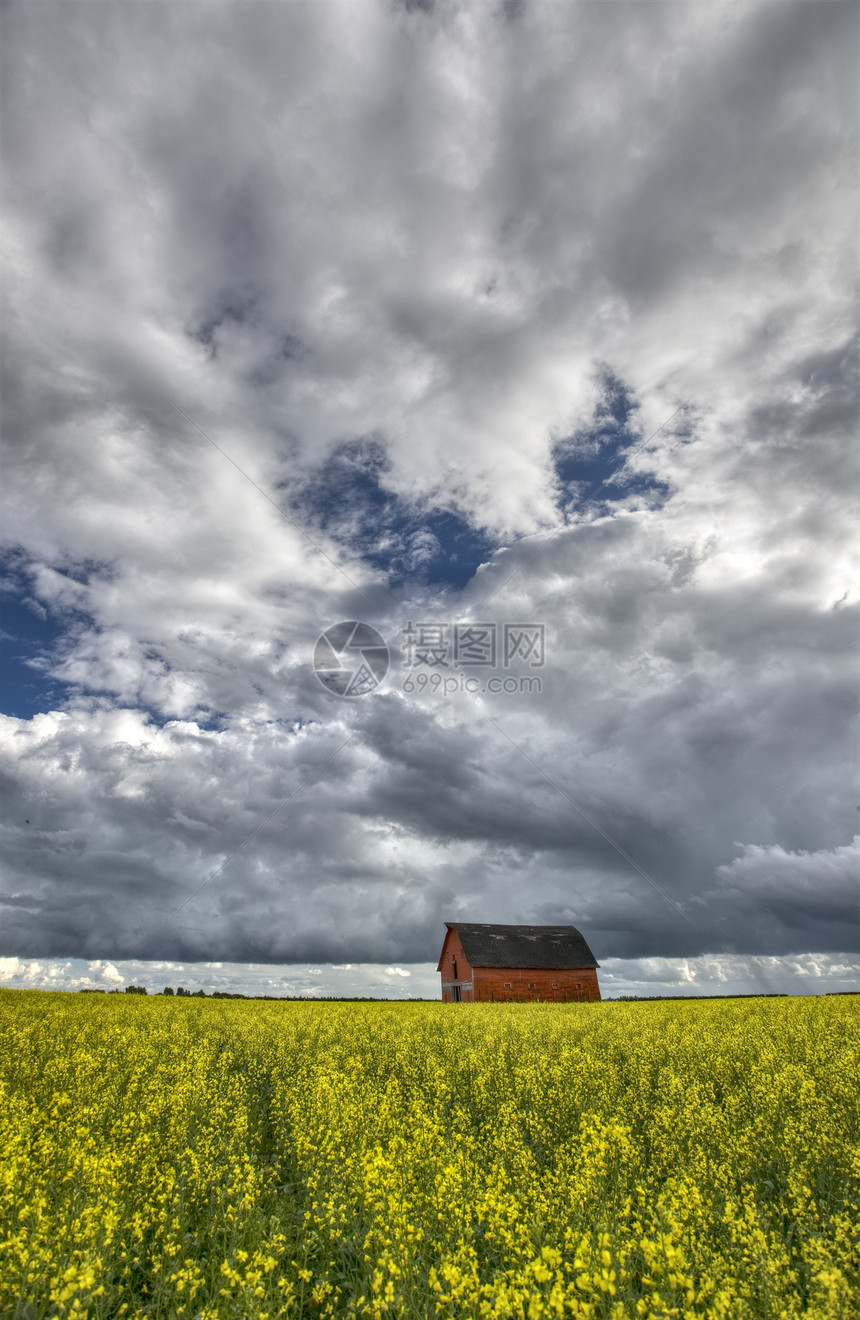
<point x="423" y="315"/>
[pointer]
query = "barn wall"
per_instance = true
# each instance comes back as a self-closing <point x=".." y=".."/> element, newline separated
<point x="522" y="985"/>
<point x="452" y="953"/>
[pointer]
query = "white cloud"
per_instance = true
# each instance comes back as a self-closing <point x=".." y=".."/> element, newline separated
<point x="280" y="981"/>
<point x="724" y="974"/>
<point x="705" y="975"/>
<point x="775" y="865"/>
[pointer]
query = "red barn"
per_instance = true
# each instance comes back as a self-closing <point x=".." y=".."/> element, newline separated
<point x="516" y="964"/>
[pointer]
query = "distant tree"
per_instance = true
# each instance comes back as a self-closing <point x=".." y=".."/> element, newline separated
<point x="168" y="990"/>
<point x="201" y="994"/>
<point x="135" y="989"/>
<point x="180" y="991"/>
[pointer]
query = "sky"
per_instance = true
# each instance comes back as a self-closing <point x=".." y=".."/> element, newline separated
<point x="523" y="334"/>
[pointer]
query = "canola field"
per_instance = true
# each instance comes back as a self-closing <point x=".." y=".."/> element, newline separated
<point x="207" y="1158"/>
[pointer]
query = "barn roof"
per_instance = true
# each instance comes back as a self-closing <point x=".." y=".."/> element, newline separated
<point x="555" y="948"/>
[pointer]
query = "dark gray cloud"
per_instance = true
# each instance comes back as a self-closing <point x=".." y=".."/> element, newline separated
<point x="450" y="238"/>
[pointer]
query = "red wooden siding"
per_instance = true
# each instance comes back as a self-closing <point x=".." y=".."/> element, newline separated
<point x="521" y="985"/>
<point x="456" y="972"/>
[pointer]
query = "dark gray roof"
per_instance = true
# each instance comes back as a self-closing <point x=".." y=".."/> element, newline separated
<point x="556" y="948"/>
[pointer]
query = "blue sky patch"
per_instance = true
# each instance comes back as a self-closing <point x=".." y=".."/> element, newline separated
<point x="29" y="635"/>
<point x="588" y="458"/>
<point x="347" y="500"/>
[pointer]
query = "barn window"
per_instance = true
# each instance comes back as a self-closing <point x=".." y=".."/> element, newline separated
<point x="509" y="985"/>
<point x="455" y="969"/>
<point x="532" y="985"/>
<point x="555" y="985"/>
<point x="456" y="995"/>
